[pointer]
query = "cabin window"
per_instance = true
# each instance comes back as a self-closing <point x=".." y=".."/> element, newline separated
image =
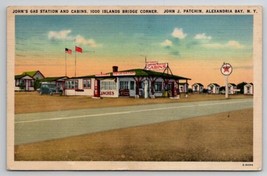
<point x="32" y="83"/>
<point x="195" y="87"/>
<point x="248" y="89"/>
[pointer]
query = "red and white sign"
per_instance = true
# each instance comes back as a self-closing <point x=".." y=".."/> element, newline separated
<point x="102" y="75"/>
<point x="123" y="73"/>
<point x="107" y="93"/>
<point x="226" y="69"/>
<point x="156" y="66"/>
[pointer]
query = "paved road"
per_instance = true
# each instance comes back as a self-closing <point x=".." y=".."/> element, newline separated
<point x="34" y="127"/>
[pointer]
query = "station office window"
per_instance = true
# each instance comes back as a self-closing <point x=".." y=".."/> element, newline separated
<point x="71" y="84"/>
<point x="108" y="85"/>
<point x="124" y="85"/>
<point x="87" y="83"/>
<point x="31" y="83"/>
<point x="158" y="86"/>
<point x="76" y="84"/>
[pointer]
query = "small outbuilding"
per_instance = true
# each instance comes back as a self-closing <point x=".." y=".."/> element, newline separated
<point x="183" y="87"/>
<point x="249" y="89"/>
<point x="26" y="81"/>
<point x="213" y="88"/>
<point x="232" y="88"/>
<point x="197" y="88"/>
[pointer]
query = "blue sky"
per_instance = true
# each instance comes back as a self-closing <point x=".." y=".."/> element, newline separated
<point x="133" y="34"/>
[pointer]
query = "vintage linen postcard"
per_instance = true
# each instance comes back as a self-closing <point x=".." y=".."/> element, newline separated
<point x="134" y="88"/>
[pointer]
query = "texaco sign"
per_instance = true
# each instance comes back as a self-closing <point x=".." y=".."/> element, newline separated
<point x="226" y="69"/>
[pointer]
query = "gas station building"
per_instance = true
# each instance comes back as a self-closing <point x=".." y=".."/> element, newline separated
<point x="129" y="83"/>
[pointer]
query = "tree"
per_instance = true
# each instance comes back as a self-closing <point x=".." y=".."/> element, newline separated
<point x="222" y="90"/>
<point x="190" y="90"/>
<point x="205" y="91"/>
<point x="241" y="87"/>
<point x="22" y="85"/>
<point x="36" y="84"/>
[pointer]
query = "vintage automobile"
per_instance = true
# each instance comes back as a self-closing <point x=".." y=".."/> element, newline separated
<point x="49" y="88"/>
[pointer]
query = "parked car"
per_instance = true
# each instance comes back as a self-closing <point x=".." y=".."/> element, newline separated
<point x="49" y="88"/>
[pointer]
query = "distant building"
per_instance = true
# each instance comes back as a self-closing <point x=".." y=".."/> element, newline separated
<point x="197" y="87"/>
<point x="26" y="80"/>
<point x="213" y="88"/>
<point x="249" y="89"/>
<point x="232" y="88"/>
<point x="183" y="87"/>
<point x="37" y="75"/>
<point x="24" y="83"/>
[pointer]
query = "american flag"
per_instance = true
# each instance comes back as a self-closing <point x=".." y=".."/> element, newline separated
<point x="69" y="51"/>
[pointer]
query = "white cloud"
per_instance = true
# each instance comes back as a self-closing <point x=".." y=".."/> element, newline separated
<point x="166" y="43"/>
<point x="66" y="35"/>
<point x="230" y="44"/>
<point x="234" y="44"/>
<point x="59" y="35"/>
<point x="83" y="41"/>
<point x="202" y="36"/>
<point x="178" y="33"/>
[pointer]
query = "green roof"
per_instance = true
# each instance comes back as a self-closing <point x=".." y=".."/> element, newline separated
<point x="138" y="73"/>
<point x="51" y="79"/>
<point x="146" y="73"/>
<point x="30" y="73"/>
<point x="20" y="76"/>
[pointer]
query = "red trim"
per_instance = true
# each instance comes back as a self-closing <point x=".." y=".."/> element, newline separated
<point x="79" y="90"/>
<point x="69" y="88"/>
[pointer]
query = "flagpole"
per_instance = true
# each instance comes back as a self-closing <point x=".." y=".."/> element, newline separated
<point x="75" y="61"/>
<point x="65" y="64"/>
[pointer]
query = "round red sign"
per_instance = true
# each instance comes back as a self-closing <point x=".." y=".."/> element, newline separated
<point x="226" y="69"/>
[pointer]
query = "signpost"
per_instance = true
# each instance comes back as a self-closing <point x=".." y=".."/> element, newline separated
<point x="226" y="70"/>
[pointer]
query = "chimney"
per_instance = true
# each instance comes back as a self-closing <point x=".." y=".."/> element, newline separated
<point x="115" y="69"/>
